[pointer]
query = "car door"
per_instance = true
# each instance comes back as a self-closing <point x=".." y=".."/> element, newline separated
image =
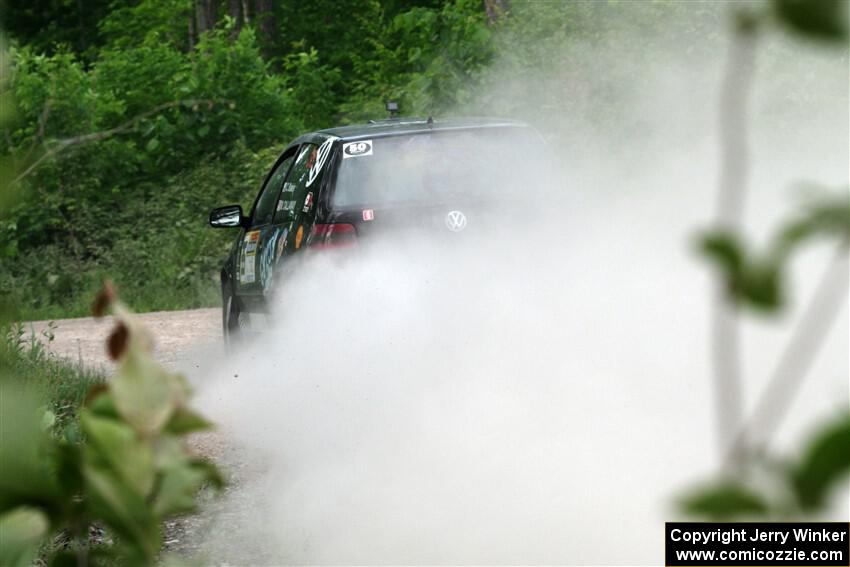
<point x="299" y="198"/>
<point x="286" y="216"/>
<point x="255" y="243"/>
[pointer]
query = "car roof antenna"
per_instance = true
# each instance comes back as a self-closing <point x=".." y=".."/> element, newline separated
<point x="392" y="108"/>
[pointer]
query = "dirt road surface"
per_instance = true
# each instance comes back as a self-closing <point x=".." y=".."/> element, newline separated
<point x="175" y="335"/>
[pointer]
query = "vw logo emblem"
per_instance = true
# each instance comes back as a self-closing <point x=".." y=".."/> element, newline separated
<point x="456" y="221"/>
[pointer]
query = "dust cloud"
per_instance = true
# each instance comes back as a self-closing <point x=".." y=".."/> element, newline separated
<point x="539" y="392"/>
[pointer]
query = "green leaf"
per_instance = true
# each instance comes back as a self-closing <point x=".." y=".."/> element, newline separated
<point x="95" y="557"/>
<point x="753" y="282"/>
<point x="124" y="510"/>
<point x="211" y="472"/>
<point x="115" y="446"/>
<point x="103" y="406"/>
<point x="203" y="131"/>
<point x="725" y="251"/>
<point x="724" y="501"/>
<point x="761" y="286"/>
<point x="64" y="558"/>
<point x="826" y="461"/>
<point x="177" y="490"/>
<point x="69" y="469"/>
<point x="25" y="477"/>
<point x="820" y="19"/>
<point x="181" y="477"/>
<point x="185" y="420"/>
<point x="152" y="145"/>
<point x="830" y="218"/>
<point x="21" y="532"/>
<point x="48" y="419"/>
<point x="145" y="394"/>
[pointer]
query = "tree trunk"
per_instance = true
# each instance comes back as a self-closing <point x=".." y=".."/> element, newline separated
<point x="234" y="10"/>
<point x="495" y="10"/>
<point x="82" y="43"/>
<point x="264" y="15"/>
<point x="205" y="15"/>
<point x="212" y="16"/>
<point x="192" y="32"/>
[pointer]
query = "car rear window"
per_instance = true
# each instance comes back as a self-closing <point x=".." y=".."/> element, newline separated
<point x="484" y="163"/>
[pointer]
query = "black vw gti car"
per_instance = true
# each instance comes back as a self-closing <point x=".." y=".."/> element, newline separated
<point x="338" y="187"/>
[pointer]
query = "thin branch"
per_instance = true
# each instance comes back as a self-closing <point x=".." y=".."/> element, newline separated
<point x="729" y="214"/>
<point x="42" y="124"/>
<point x="733" y="116"/>
<point x="798" y="356"/>
<point x="62" y="145"/>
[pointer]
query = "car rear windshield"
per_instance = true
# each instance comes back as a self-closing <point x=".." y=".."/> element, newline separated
<point x="432" y="167"/>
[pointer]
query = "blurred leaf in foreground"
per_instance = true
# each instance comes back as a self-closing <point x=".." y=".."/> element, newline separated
<point x="25" y="477"/>
<point x="127" y="472"/>
<point x="21" y="531"/>
<point x="724" y="501"/>
<point x="820" y="19"/>
<point x="825" y="217"/>
<point x="825" y="463"/>
<point x="752" y="281"/>
<point x="756" y="280"/>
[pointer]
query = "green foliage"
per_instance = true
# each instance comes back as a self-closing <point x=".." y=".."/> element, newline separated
<point x="154" y="246"/>
<point x="123" y="148"/>
<point x="427" y="59"/>
<point x="125" y="131"/>
<point x="124" y="466"/>
<point x="312" y="84"/>
<point x="171" y="108"/>
<point x="800" y="486"/>
<point x="723" y="502"/>
<point x="61" y="384"/>
<point x="825" y="464"/>
<point x="258" y="108"/>
<point x="23" y="528"/>
<point x="151" y="133"/>
<point x="145" y="22"/>
<point x="47" y="24"/>
<point x="757" y="281"/>
<point x="818" y="19"/>
<point x="752" y="281"/>
<point x="130" y="472"/>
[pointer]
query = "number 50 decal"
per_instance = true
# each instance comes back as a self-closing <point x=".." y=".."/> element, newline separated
<point x="357" y="149"/>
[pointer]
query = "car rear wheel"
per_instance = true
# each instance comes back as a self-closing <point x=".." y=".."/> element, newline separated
<point x="231" y="320"/>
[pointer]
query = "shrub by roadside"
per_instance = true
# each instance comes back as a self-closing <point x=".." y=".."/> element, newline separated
<point x="156" y="248"/>
<point x="61" y="384"/>
<point x="112" y="458"/>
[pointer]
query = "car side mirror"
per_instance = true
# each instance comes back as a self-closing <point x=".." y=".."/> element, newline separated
<point x="227" y="217"/>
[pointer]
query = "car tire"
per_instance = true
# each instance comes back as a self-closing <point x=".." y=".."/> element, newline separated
<point x="231" y="316"/>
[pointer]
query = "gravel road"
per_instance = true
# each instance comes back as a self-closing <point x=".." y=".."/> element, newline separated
<point x="175" y="333"/>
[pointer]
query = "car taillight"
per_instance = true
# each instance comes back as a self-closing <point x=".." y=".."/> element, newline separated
<point x="333" y="236"/>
